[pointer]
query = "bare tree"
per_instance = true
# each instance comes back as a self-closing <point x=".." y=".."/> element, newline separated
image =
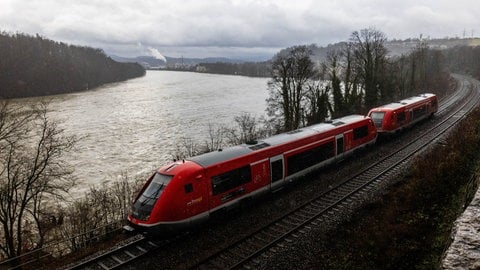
<point x="333" y="69"/>
<point x="186" y="148"/>
<point x="215" y="139"/>
<point x="246" y="130"/>
<point x="101" y="207"/>
<point x="31" y="169"/>
<point x="318" y="104"/>
<point x="291" y="70"/>
<point x="370" y="53"/>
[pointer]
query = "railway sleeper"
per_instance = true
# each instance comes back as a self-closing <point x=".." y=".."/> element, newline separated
<point x="284" y="226"/>
<point x="278" y="229"/>
<point x="304" y="216"/>
<point x="243" y="249"/>
<point x="302" y="231"/>
<point x="297" y="220"/>
<point x="141" y="249"/>
<point x="116" y="259"/>
<point x="290" y="222"/>
<point x="129" y="254"/>
<point x="328" y="198"/>
<point x="311" y="208"/>
<point x="103" y="266"/>
<point x="269" y="235"/>
<point x="317" y="204"/>
<point x="216" y="264"/>
<point x="257" y="236"/>
<point x="288" y="240"/>
<point x="252" y="241"/>
<point x="224" y="257"/>
<point x="238" y="251"/>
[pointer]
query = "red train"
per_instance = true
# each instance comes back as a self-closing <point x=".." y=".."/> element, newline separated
<point x="397" y="116"/>
<point x="187" y="192"/>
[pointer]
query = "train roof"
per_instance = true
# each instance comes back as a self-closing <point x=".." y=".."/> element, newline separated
<point x="407" y="101"/>
<point x="221" y="155"/>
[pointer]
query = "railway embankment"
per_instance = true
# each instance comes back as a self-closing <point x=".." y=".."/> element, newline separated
<point x="464" y="252"/>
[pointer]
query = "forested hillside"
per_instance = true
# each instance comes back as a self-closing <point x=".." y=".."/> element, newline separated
<point x="36" y="66"/>
<point x="465" y="60"/>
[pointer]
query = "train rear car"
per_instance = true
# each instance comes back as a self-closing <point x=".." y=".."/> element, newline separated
<point x="394" y="117"/>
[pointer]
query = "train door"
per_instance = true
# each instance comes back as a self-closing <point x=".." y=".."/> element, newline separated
<point x="339" y="146"/>
<point x="276" y="172"/>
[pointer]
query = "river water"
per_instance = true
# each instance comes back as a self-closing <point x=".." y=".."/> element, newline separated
<point x="132" y="127"/>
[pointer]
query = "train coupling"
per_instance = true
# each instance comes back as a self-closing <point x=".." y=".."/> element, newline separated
<point x="128" y="229"/>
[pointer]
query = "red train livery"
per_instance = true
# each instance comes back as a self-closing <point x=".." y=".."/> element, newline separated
<point x="186" y="192"/>
<point x="396" y="116"/>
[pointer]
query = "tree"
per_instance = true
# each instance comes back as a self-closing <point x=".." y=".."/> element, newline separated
<point x="215" y="139"/>
<point x="291" y="70"/>
<point x="246" y="130"/>
<point x="318" y="104"/>
<point x="31" y="169"/>
<point x="35" y="66"/>
<point x="369" y="54"/>
<point x="333" y="69"/>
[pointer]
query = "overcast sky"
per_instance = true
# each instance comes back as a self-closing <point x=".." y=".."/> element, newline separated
<point x="232" y="28"/>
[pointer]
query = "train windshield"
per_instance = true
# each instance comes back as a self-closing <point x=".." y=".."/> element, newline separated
<point x="144" y="205"/>
<point x="377" y="118"/>
<point x="157" y="185"/>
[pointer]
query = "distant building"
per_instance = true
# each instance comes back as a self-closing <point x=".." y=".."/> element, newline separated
<point x="201" y="68"/>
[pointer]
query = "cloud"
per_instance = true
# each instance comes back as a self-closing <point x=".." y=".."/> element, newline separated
<point x="205" y="26"/>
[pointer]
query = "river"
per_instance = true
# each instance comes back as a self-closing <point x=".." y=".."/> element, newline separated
<point x="132" y="127"/>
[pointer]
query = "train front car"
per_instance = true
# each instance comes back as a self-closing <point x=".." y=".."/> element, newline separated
<point x="184" y="193"/>
<point x="396" y="116"/>
<point x="160" y="207"/>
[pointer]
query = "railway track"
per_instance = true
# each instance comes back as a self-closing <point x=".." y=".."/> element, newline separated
<point x="246" y="251"/>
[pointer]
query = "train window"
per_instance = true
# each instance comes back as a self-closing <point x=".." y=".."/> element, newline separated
<point x="231" y="179"/>
<point x="377" y="118"/>
<point x="401" y="117"/>
<point x="276" y="170"/>
<point x="303" y="160"/>
<point x="360" y="132"/>
<point x="188" y="188"/>
<point x="420" y="111"/>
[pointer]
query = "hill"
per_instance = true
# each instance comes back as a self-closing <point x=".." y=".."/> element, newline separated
<point x="151" y="62"/>
<point x="35" y="66"/>
<point x="399" y="47"/>
<point x="224" y="65"/>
